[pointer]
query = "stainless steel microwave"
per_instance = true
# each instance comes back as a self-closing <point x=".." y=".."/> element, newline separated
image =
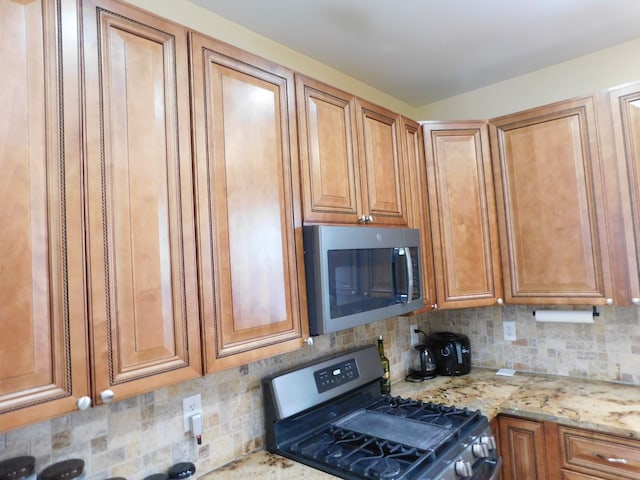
<point x="358" y="275"/>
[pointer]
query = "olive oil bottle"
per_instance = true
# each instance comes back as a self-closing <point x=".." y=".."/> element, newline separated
<point x="385" y="381"/>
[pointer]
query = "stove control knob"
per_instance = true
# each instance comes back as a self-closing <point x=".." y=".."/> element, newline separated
<point x="463" y="468"/>
<point x="480" y="450"/>
<point x="489" y="441"/>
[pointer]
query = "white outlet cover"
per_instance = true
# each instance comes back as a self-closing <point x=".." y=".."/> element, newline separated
<point x="509" y="330"/>
<point x="190" y="406"/>
<point x="415" y="337"/>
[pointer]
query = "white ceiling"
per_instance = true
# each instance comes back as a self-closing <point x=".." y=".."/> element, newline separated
<point x="421" y="51"/>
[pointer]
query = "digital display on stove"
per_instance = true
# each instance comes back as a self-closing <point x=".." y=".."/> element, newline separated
<point x="336" y="375"/>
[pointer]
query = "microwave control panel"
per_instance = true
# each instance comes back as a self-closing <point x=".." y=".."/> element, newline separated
<point x="336" y="375"/>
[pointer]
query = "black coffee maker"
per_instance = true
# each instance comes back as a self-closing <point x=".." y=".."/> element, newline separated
<point x="422" y="364"/>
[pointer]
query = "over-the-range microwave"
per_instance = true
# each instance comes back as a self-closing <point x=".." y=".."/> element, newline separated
<point x="357" y="275"/>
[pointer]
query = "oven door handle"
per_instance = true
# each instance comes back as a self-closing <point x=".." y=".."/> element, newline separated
<point x="409" y="263"/>
<point x="408" y="272"/>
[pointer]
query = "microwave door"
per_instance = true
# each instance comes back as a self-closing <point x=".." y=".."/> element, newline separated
<point x="403" y="274"/>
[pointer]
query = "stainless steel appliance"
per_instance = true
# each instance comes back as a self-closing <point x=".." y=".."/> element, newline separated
<point x="331" y="416"/>
<point x="358" y="275"/>
<point x="452" y="351"/>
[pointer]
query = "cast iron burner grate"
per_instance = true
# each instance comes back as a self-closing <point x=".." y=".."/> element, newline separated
<point x="427" y="412"/>
<point x="361" y="454"/>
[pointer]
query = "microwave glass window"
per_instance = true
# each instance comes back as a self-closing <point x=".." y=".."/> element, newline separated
<point x="367" y="279"/>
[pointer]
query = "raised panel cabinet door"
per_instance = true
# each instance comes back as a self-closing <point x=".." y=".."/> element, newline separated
<point x="248" y="206"/>
<point x="142" y="271"/>
<point x="523" y="449"/>
<point x="383" y="169"/>
<point x="550" y="205"/>
<point x="413" y="153"/>
<point x="463" y="214"/>
<point x="625" y="109"/>
<point x="328" y="153"/>
<point x="43" y="357"/>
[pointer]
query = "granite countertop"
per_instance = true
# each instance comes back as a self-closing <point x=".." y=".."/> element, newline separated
<point x="602" y="406"/>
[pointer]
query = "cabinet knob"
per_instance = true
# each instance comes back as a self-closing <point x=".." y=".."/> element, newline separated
<point x="362" y="219"/>
<point x="83" y="403"/>
<point x="500" y="301"/>
<point x="309" y="341"/>
<point x="369" y="219"/>
<point x="107" y="396"/>
<point x="609" y="301"/>
<point x="635" y="300"/>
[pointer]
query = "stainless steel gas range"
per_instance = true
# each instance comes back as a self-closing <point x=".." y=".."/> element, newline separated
<point x="331" y="416"/>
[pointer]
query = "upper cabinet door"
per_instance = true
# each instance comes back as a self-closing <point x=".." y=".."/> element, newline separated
<point x="625" y="107"/>
<point x="463" y="214"/>
<point x="383" y="167"/>
<point x="413" y="153"/>
<point x="141" y="236"/>
<point x="352" y="166"/>
<point x="248" y="206"/>
<point x="550" y="205"/>
<point x="43" y="362"/>
<point x="328" y="153"/>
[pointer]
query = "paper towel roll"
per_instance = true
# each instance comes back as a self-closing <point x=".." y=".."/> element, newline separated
<point x="564" y="316"/>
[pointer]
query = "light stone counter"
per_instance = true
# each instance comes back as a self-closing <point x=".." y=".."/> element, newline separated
<point x="606" y="407"/>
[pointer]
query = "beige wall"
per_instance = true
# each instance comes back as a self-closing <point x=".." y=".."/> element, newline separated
<point x="583" y="75"/>
<point x="201" y="20"/>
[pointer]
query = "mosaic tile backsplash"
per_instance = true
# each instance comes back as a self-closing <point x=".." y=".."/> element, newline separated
<point x="139" y="436"/>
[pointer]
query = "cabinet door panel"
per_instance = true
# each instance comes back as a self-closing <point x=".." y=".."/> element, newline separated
<point x="144" y="301"/>
<point x="551" y="193"/>
<point x="41" y="299"/>
<point x="413" y="153"/>
<point x="523" y="449"/>
<point x="250" y="258"/>
<point x="329" y="159"/>
<point x="383" y="168"/>
<point x="463" y="212"/>
<point x="625" y="107"/>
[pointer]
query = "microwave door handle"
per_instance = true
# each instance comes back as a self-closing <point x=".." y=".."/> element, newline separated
<point x="407" y="258"/>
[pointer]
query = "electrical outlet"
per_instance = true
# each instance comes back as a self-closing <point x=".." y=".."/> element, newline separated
<point x="190" y="406"/>
<point x="509" y="330"/>
<point x="415" y="336"/>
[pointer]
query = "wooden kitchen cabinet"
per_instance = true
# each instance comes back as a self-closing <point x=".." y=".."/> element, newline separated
<point x="352" y="166"/>
<point x="43" y="353"/>
<point x="141" y="268"/>
<point x="413" y="152"/>
<point x="624" y="105"/>
<point x="248" y="208"/>
<point x="462" y="212"/>
<point x="523" y="449"/>
<point x="598" y="455"/>
<point x="550" y="195"/>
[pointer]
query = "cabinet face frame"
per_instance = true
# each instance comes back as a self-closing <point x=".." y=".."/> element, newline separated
<point x="141" y="236"/>
<point x="51" y="327"/>
<point x="463" y="214"/>
<point x="522" y="245"/>
<point x="232" y="334"/>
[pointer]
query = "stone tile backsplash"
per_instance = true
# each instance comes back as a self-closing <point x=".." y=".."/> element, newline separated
<point x="136" y="437"/>
<point x="142" y="435"/>
<point x="608" y="349"/>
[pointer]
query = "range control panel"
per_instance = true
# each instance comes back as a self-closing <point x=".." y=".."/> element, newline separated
<point x="336" y="375"/>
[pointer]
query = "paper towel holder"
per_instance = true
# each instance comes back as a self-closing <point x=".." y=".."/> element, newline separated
<point x="596" y="313"/>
